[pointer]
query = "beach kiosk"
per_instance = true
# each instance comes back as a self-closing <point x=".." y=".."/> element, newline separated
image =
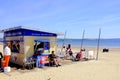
<point x="25" y="41"/>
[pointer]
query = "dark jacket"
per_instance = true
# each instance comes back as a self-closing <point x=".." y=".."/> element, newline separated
<point x="52" y="57"/>
<point x="1" y="56"/>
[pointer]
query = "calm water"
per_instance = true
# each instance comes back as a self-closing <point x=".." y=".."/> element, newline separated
<point x="104" y="43"/>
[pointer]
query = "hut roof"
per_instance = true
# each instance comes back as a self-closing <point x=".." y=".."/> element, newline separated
<point x="28" y="31"/>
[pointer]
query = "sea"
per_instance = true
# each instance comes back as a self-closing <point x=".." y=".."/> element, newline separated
<point x="102" y="43"/>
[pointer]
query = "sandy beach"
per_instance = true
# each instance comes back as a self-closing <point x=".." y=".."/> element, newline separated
<point x="58" y="40"/>
<point x="107" y="67"/>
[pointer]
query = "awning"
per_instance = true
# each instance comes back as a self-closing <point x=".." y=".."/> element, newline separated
<point x="27" y="31"/>
<point x="11" y="40"/>
<point x="44" y="40"/>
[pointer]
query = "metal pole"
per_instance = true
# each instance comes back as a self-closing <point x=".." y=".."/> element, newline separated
<point x="63" y="41"/>
<point x="82" y="39"/>
<point x="98" y="44"/>
<point x="64" y="38"/>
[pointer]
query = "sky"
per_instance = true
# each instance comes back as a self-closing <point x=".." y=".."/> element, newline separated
<point x="72" y="16"/>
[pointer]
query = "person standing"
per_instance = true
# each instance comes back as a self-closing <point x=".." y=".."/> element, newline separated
<point x="1" y="56"/>
<point x="7" y="53"/>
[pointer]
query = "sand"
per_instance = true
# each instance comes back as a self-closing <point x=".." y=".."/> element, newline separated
<point x="107" y="67"/>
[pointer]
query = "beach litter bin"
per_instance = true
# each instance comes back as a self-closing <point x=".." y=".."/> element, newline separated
<point x="7" y="69"/>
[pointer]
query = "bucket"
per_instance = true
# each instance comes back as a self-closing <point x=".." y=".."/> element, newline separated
<point x="7" y="69"/>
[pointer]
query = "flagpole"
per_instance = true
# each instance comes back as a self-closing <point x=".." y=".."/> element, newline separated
<point x="98" y="44"/>
<point x="82" y="39"/>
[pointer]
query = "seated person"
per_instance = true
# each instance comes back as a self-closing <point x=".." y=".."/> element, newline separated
<point x="68" y="50"/>
<point x="79" y="56"/>
<point x="71" y="55"/>
<point x="54" y="58"/>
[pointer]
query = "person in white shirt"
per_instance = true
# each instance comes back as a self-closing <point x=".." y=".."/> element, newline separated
<point x="7" y="53"/>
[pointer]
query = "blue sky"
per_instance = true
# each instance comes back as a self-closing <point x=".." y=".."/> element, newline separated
<point x="72" y="16"/>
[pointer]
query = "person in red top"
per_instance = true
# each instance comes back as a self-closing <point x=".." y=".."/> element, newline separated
<point x="79" y="56"/>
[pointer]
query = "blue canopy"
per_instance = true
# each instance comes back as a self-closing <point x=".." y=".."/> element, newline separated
<point x="22" y="31"/>
<point x="45" y="40"/>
